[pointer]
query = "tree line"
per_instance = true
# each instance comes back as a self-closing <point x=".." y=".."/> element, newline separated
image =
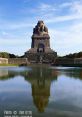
<point x="7" y="55"/>
<point x="74" y="55"/>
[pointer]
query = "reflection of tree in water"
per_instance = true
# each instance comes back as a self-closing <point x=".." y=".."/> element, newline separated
<point x="75" y="73"/>
<point x="5" y="75"/>
<point x="10" y="74"/>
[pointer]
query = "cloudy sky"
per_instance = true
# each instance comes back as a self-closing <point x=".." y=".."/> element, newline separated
<point x="62" y="17"/>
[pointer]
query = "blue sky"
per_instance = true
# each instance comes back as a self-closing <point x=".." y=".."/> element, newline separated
<point x="62" y="17"/>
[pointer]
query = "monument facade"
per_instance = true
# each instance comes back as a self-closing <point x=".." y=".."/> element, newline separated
<point x="40" y="46"/>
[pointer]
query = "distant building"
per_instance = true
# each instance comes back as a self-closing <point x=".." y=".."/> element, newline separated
<point x="40" y="47"/>
<point x="3" y="61"/>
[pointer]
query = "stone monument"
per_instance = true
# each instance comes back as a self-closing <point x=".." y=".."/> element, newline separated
<point x="40" y="47"/>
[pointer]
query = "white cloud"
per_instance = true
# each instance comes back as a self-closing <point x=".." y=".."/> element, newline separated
<point x="46" y="7"/>
<point x="63" y="18"/>
<point x="16" y="25"/>
<point x="75" y="13"/>
<point x="65" y="5"/>
<point x="76" y="7"/>
<point x="4" y="33"/>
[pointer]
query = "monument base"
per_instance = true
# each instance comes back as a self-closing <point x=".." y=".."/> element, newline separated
<point x="41" y="57"/>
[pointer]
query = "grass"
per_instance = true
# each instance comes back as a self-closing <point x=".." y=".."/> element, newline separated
<point x="9" y="65"/>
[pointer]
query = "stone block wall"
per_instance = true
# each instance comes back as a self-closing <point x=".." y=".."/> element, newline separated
<point x="63" y="61"/>
<point x="3" y="61"/>
<point x="18" y="61"/>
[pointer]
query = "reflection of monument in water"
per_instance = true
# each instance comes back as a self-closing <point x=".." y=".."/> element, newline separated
<point x="40" y="47"/>
<point x="40" y="79"/>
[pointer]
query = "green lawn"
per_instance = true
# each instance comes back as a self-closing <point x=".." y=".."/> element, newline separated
<point x="9" y="65"/>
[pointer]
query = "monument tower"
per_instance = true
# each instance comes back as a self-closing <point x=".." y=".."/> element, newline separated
<point x="40" y="46"/>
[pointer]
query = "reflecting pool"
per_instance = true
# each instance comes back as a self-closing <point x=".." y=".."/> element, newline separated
<point x="46" y="91"/>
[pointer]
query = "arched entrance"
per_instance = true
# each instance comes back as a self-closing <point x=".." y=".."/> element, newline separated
<point x="40" y="48"/>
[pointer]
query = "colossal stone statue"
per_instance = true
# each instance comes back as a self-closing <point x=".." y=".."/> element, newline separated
<point x="40" y="28"/>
